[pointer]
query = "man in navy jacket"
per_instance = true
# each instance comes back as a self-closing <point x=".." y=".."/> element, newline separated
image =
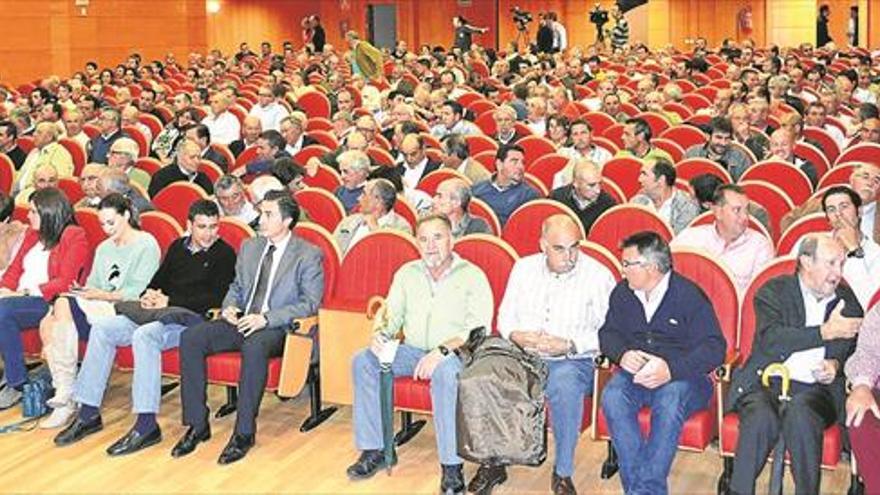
<point x="663" y="332"/>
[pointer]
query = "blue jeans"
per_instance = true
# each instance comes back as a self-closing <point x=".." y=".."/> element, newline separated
<point x="568" y="382"/>
<point x="147" y="341"/>
<point x="645" y="462"/>
<point x="18" y="314"/>
<point x="444" y="396"/>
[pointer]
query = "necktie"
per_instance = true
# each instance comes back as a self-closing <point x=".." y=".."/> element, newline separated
<point x="829" y="308"/>
<point x="262" y="287"/>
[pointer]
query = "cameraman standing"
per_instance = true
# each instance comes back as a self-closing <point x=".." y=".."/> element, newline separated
<point x="544" y="36"/>
<point x="463" y="32"/>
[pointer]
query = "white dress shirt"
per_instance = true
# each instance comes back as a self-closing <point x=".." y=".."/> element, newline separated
<point x="280" y="247"/>
<point x="651" y="301"/>
<point x="569" y="305"/>
<point x="270" y="116"/>
<point x="868" y="215"/>
<point x="225" y="128"/>
<point x="412" y="175"/>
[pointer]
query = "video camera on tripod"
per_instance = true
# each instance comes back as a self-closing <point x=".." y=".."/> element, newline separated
<point x="521" y="18"/>
<point x="599" y="17"/>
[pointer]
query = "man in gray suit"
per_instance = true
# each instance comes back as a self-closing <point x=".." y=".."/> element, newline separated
<point x="278" y="277"/>
<point x="376" y="211"/>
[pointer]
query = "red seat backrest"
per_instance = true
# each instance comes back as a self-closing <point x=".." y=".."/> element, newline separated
<point x="816" y="222"/>
<point x="621" y="221"/>
<point x="837" y="175"/>
<point x="793" y="181"/>
<point x="176" y="198"/>
<point x="323" y="207"/>
<point x="689" y="168"/>
<point x="772" y="198"/>
<point x="162" y="226"/>
<point x="624" y="171"/>
<point x="7" y="173"/>
<point x="546" y="167"/>
<point x="432" y="181"/>
<point x="826" y="142"/>
<point x="535" y="147"/>
<point x="314" y="104"/>
<point x="495" y="257"/>
<point x="369" y="266"/>
<point x="685" y="135"/>
<point x="235" y="232"/>
<point x="481" y="209"/>
<point x="777" y="267"/>
<point x="523" y="229"/>
<point x="320" y="237"/>
<point x="716" y="283"/>
<point x="603" y="255"/>
<point x="87" y="218"/>
<point x="862" y="152"/>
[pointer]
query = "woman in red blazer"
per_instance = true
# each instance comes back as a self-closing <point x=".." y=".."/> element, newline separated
<point x="53" y="255"/>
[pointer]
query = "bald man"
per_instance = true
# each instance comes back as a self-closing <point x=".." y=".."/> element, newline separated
<point x="89" y="181"/>
<point x="415" y="162"/>
<point x="251" y="129"/>
<point x="184" y="168"/>
<point x="45" y="176"/>
<point x="553" y="307"/>
<point x="584" y="194"/>
<point x="782" y="148"/>
<point x="46" y="151"/>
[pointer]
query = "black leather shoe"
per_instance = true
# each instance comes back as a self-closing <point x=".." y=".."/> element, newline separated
<point x="236" y="449"/>
<point x="368" y="464"/>
<point x="562" y="485"/>
<point x="134" y="441"/>
<point x="487" y="477"/>
<point x="190" y="440"/>
<point x="452" y="481"/>
<point x="78" y="430"/>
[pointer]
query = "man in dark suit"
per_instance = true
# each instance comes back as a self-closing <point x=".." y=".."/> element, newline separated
<point x="415" y="162"/>
<point x="663" y="332"/>
<point x="184" y="168"/>
<point x="278" y="277"/>
<point x="202" y="135"/>
<point x="9" y="144"/>
<point x="807" y="311"/>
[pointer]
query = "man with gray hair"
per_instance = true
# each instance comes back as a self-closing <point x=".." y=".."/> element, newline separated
<point x="376" y="211"/>
<point x="451" y="200"/>
<point x="232" y="198"/>
<point x="109" y="122"/>
<point x="456" y="155"/>
<point x="46" y="151"/>
<point x="663" y="332"/>
<point x="354" y="167"/>
<point x="114" y="180"/>
<point x="809" y="320"/>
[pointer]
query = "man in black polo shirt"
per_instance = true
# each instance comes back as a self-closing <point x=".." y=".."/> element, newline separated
<point x="585" y="195"/>
<point x="193" y="278"/>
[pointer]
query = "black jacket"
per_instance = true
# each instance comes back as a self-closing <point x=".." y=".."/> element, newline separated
<point x="779" y="331"/>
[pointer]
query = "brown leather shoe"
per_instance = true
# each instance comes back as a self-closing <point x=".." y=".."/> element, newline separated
<point x="562" y="485"/>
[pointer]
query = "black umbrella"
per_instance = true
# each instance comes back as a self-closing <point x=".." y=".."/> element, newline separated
<point x="778" y="468"/>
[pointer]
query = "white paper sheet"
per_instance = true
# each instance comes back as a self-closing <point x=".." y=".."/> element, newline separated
<point x="802" y="363"/>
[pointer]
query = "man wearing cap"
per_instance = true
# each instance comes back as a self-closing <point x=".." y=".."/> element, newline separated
<point x="123" y="155"/>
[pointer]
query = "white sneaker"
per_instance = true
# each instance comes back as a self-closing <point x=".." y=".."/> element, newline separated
<point x="60" y="417"/>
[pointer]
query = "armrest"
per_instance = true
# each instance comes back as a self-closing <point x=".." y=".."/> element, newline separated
<point x="302" y="326"/>
<point x="374" y="305"/>
<point x="731" y="360"/>
<point x="602" y="361"/>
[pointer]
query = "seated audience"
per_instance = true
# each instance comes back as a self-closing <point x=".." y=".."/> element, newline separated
<point x="452" y="121"/>
<point x="11" y="232"/>
<point x="110" y="124"/>
<point x="123" y="265"/>
<point x="192" y="279"/>
<point x="46" y="151"/>
<point x="251" y="128"/>
<point x="9" y="144"/>
<point x="553" y="306"/>
<point x="165" y="144"/>
<point x="45" y="176"/>
<point x="416" y="163"/>
<point x="116" y="181"/>
<point x="354" y="167"/>
<point x="506" y="190"/>
<point x="584" y="194"/>
<point x="293" y="129"/>
<point x="659" y="193"/>
<point x="795" y="313"/>
<point x="451" y="200"/>
<point x="505" y="123"/>
<point x="719" y="150"/>
<point x="223" y="126"/>
<point x="89" y="181"/>
<point x="268" y="110"/>
<point x="123" y="155"/>
<point x="54" y="256"/>
<point x="201" y="135"/>
<point x="581" y="147"/>
<point x="782" y="148"/>
<point x="662" y="331"/>
<point x="729" y="239"/>
<point x="637" y="142"/>
<point x="263" y="299"/>
<point x="435" y="301"/>
<point x="185" y="169"/>
<point x="375" y="211"/>
<point x="233" y="200"/>
<point x="270" y="147"/>
<point x="457" y="156"/>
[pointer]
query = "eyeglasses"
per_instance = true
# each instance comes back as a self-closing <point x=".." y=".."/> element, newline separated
<point x="629" y="264"/>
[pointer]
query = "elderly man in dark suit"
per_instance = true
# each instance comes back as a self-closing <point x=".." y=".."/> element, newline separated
<point x="278" y="277"/>
<point x="809" y="312"/>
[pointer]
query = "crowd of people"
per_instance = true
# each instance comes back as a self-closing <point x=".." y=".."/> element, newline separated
<point x="426" y="112"/>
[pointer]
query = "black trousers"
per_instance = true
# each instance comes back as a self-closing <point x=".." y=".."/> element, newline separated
<point x="212" y="337"/>
<point x="810" y="411"/>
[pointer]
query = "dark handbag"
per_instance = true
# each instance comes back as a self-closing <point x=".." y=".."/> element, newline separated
<point x="37" y="390"/>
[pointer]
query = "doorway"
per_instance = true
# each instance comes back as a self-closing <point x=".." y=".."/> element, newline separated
<point x="382" y="25"/>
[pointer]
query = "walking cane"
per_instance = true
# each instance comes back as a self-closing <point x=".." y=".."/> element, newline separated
<point x="386" y="383"/>
<point x="778" y="468"/>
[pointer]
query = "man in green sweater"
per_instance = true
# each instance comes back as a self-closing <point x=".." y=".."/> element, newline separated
<point x="436" y="301"/>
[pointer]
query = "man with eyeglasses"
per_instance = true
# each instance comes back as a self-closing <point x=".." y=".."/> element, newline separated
<point x="553" y="306"/>
<point x="354" y="167"/>
<point x="73" y="128"/>
<point x="232" y="199"/>
<point x="584" y="194"/>
<point x="89" y="180"/>
<point x="662" y="331"/>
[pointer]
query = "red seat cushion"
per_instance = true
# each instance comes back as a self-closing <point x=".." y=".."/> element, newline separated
<point x="170" y="360"/>
<point x="224" y="368"/>
<point x="412" y="395"/>
<point x="831" y="442"/>
<point x="698" y="431"/>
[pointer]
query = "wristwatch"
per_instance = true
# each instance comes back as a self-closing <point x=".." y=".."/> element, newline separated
<point x="443" y="350"/>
